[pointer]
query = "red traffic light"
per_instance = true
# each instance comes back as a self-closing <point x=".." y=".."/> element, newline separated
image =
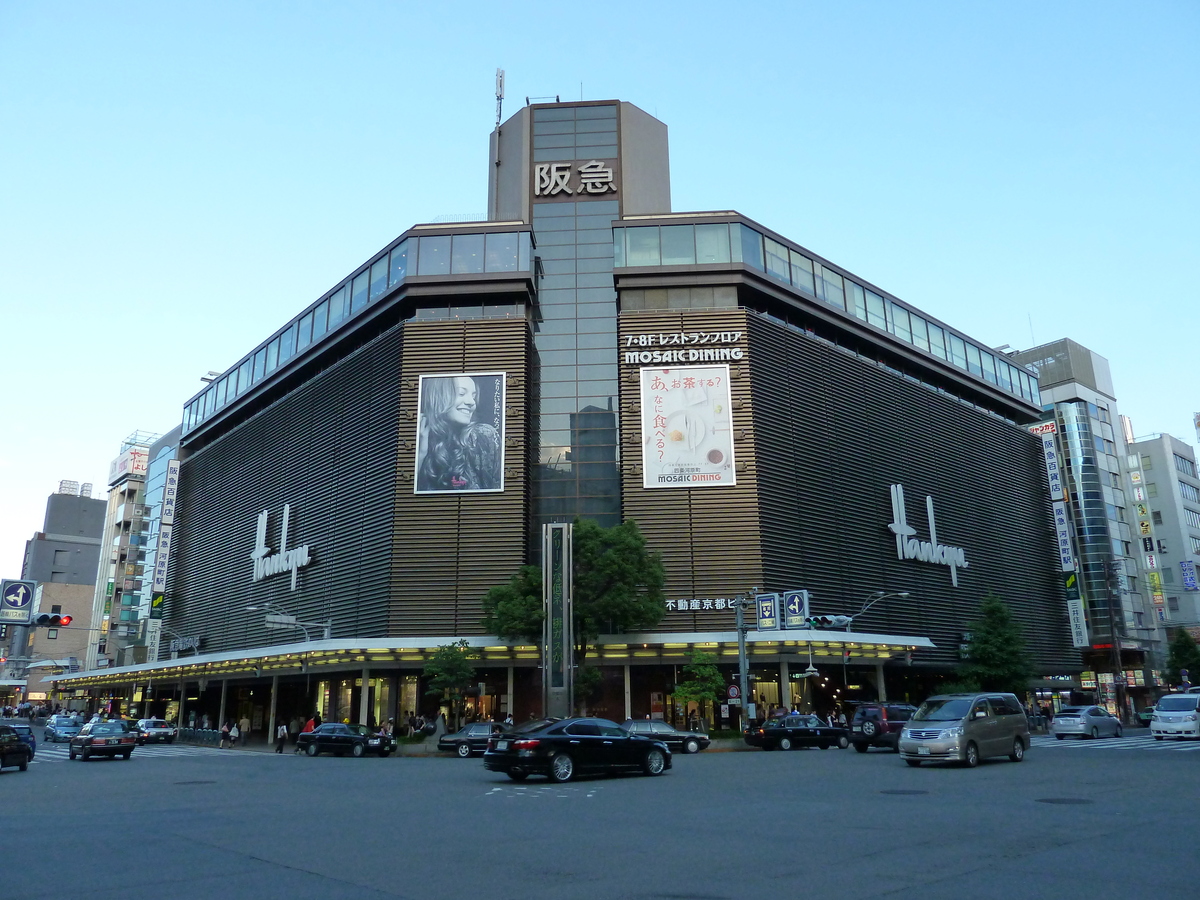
<point x="50" y="620"/>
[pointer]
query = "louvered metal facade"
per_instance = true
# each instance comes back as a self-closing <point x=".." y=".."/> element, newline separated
<point x="820" y="434"/>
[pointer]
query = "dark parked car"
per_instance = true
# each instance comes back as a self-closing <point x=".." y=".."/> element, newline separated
<point x="24" y="733"/>
<point x="470" y="739"/>
<point x="154" y="731"/>
<point x="879" y="725"/>
<point x="797" y="730"/>
<point x="678" y="741"/>
<point x="61" y="728"/>
<point x="564" y="748"/>
<point x="340" y="739"/>
<point x="103" y="739"/>
<point x="13" y="751"/>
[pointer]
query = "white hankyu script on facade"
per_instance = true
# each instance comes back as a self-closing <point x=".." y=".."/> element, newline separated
<point x="267" y="563"/>
<point x="930" y="551"/>
<point x="551" y="179"/>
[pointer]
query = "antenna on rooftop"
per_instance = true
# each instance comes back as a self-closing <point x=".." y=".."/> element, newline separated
<point x="499" y="94"/>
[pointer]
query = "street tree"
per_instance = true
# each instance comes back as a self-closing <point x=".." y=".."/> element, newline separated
<point x="996" y="658"/>
<point x="1183" y="654"/>
<point x="451" y="675"/>
<point x="702" y="682"/>
<point x="617" y="587"/>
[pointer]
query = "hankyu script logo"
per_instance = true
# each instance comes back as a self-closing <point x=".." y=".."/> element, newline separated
<point x="930" y="551"/>
<point x="267" y="563"/>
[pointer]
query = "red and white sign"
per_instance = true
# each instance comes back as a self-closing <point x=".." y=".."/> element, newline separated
<point x="734" y="692"/>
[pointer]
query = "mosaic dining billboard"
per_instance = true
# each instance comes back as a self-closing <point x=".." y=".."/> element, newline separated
<point x="687" y="440"/>
<point x="460" y="433"/>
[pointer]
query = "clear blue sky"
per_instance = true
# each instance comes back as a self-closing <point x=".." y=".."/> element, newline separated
<point x="179" y="179"/>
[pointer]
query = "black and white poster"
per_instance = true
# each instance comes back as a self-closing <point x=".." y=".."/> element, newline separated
<point x="460" y="433"/>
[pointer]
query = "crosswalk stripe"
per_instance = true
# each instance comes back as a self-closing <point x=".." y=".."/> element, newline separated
<point x="59" y="752"/>
<point x="1129" y="743"/>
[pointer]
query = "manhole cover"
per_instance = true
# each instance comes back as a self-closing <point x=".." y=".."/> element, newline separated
<point x="905" y="793"/>
<point x="195" y="782"/>
<point x="1065" y="801"/>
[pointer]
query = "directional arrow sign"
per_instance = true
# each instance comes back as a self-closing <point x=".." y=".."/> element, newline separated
<point x="16" y="601"/>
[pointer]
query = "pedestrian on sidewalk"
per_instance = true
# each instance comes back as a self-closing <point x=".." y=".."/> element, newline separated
<point x="234" y="733"/>
<point x="225" y="736"/>
<point x="244" y="729"/>
<point x="281" y="736"/>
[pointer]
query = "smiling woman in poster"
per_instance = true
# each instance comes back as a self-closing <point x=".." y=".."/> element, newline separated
<point x="459" y="433"/>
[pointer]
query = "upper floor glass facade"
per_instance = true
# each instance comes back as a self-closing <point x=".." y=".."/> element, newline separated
<point x="469" y="253"/>
<point x="723" y="243"/>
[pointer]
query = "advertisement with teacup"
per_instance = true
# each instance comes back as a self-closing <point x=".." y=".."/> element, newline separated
<point x="687" y="440"/>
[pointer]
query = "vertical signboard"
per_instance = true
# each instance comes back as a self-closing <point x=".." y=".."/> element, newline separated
<point x="557" y="636"/>
<point x="1046" y="432"/>
<point x="1062" y="527"/>
<point x="1079" y="635"/>
<point x="1189" y="575"/>
<point x="460" y="433"/>
<point x="170" y="493"/>
<point x="687" y="440"/>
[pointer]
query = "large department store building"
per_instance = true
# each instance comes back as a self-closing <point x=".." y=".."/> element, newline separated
<point x="768" y="418"/>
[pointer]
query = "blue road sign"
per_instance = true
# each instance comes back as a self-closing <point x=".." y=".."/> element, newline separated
<point x="16" y="601"/>
<point x="795" y="609"/>
<point x="768" y="615"/>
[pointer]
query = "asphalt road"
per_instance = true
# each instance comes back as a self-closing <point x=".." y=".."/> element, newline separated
<point x="225" y="825"/>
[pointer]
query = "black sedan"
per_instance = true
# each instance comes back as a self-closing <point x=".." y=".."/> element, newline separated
<point x="340" y="739"/>
<point x="13" y="751"/>
<point x="678" y="741"/>
<point x="790" y="732"/>
<point x="103" y="739"/>
<point x="471" y="739"/>
<point x="563" y="748"/>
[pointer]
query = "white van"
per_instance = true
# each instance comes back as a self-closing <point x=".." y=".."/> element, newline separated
<point x="1175" y="715"/>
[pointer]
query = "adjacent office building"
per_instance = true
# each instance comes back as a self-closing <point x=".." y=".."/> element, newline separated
<point x="1168" y="525"/>
<point x="1096" y="500"/>
<point x="62" y="558"/>
<point x="116" y="601"/>
<point x="351" y="488"/>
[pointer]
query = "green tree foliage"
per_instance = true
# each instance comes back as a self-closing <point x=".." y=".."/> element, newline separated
<point x="451" y="675"/>
<point x="702" y="682"/>
<point x="514" y="611"/>
<point x="618" y="587"/>
<point x="1183" y="654"/>
<point x="996" y="658"/>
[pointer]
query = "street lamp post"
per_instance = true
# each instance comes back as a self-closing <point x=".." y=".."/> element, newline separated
<point x="281" y="618"/>
<point x="872" y="598"/>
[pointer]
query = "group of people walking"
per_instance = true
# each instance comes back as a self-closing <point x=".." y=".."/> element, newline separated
<point x="235" y="733"/>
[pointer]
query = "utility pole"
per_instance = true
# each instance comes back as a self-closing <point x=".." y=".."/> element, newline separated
<point x="742" y="602"/>
<point x="1112" y="571"/>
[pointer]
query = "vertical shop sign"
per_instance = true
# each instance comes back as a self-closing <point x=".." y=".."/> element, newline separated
<point x="1079" y="635"/>
<point x="1189" y="575"/>
<point x="557" y="642"/>
<point x="1047" y="432"/>
<point x="1062" y="527"/>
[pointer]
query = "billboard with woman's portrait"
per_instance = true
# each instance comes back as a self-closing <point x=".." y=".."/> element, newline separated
<point x="460" y="433"/>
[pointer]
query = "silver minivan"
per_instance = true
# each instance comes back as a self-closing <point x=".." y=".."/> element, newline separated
<point x="1176" y="716"/>
<point x="966" y="728"/>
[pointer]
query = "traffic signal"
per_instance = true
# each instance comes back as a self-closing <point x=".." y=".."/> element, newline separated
<point x="828" y="621"/>
<point x="50" y="620"/>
